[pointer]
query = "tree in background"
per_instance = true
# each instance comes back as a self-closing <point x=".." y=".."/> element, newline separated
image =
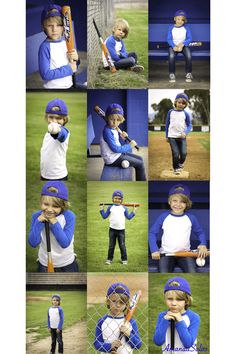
<point x="199" y="104"/>
<point x="161" y="109"/>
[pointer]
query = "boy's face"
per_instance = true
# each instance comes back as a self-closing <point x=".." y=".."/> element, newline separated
<point x="53" y="30"/>
<point x="177" y="205"/>
<point x="117" y="200"/>
<point x="116" y="305"/>
<point x="114" y="122"/>
<point x="55" y="118"/>
<point x="180" y="104"/>
<point x="49" y="208"/>
<point x="179" y="20"/>
<point x="174" y="303"/>
<point x="119" y="33"/>
<point x="55" y="302"/>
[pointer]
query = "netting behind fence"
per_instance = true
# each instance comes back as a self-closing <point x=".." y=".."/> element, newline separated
<point x="102" y="12"/>
<point x="97" y="287"/>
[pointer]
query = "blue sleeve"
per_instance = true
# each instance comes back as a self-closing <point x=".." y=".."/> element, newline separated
<point x="168" y="122"/>
<point x="62" y="135"/>
<point x="44" y="65"/>
<point x="106" y="213"/>
<point x="99" y="343"/>
<point x="61" y="315"/>
<point x="123" y="52"/>
<point x="134" y="339"/>
<point x="188" y="39"/>
<point x="36" y="228"/>
<point x="154" y="231"/>
<point x="170" y="37"/>
<point x="109" y="139"/>
<point x="110" y="43"/>
<point x="189" y="334"/>
<point x="161" y="327"/>
<point x="64" y="235"/>
<point x="127" y="215"/>
<point x="48" y="320"/>
<point x="188" y="123"/>
<point x="197" y="229"/>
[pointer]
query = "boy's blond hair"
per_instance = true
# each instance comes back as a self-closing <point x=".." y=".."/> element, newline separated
<point x="120" y="22"/>
<point x="180" y="295"/>
<point x="50" y="20"/>
<point x="185" y="19"/>
<point x="122" y="119"/>
<point x="184" y="199"/>
<point x="60" y="203"/>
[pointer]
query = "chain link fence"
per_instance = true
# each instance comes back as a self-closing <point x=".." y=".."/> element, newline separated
<point x="97" y="307"/>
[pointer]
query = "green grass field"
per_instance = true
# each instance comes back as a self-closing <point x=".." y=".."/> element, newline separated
<point x="73" y="304"/>
<point x="137" y="41"/>
<point x="136" y="228"/>
<point x="36" y="127"/>
<point x="199" y="284"/>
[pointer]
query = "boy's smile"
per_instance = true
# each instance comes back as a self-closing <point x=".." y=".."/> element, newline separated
<point x="117" y="200"/>
<point x="177" y="205"/>
<point x="49" y="208"/>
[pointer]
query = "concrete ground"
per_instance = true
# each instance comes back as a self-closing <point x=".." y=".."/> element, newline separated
<point x="95" y="164"/>
<point x="158" y="75"/>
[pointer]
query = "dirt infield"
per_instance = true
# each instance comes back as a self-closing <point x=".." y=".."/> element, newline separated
<point x="197" y="161"/>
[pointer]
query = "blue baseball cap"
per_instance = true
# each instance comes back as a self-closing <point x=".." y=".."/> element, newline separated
<point x="114" y="108"/>
<point x="51" y="10"/>
<point x="183" y="96"/>
<point x="62" y="191"/>
<point x="181" y="189"/>
<point x="56" y="296"/>
<point x="57" y="106"/>
<point x="177" y="283"/>
<point x="118" y="288"/>
<point x="181" y="13"/>
<point x="118" y="193"/>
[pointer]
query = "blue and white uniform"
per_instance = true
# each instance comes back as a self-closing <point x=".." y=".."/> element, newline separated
<point x="61" y="236"/>
<point x="54" y="65"/>
<point x="116" y="48"/>
<point x="117" y="214"/>
<point x="107" y="330"/>
<point x="177" y="35"/>
<point x="55" y="317"/>
<point x="177" y="123"/>
<point x="176" y="232"/>
<point x="186" y="332"/>
<point x="53" y="155"/>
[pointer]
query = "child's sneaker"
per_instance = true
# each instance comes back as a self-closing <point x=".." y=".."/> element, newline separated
<point x="181" y="166"/>
<point x="124" y="262"/>
<point x="177" y="171"/>
<point x="137" y="68"/>
<point x="172" y="77"/>
<point x="189" y="77"/>
<point x="108" y="261"/>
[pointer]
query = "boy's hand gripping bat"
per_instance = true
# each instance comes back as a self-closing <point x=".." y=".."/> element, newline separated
<point x="50" y="264"/>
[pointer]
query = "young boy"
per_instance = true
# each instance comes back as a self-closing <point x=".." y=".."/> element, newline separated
<point x="54" y="209"/>
<point x="178" y="126"/>
<point x="55" y="142"/>
<point x="176" y="225"/>
<point x="116" y="48"/>
<point x="114" y="148"/>
<point x="179" y="38"/>
<point x="55" y="323"/>
<point x="186" y="322"/>
<point x="112" y="325"/>
<point x="56" y="64"/>
<point x="117" y="214"/>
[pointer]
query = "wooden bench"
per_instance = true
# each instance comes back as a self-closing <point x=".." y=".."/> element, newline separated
<point x="56" y="279"/>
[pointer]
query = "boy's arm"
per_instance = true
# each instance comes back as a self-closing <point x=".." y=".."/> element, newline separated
<point x="109" y="139"/>
<point x="44" y="65"/>
<point x="106" y="213"/>
<point x="154" y="231"/>
<point x="99" y="343"/>
<point x="197" y="229"/>
<point x="62" y="135"/>
<point x="161" y="328"/>
<point x="167" y="123"/>
<point x="61" y="315"/>
<point x="64" y="235"/>
<point x="188" y="39"/>
<point x="127" y="215"/>
<point x="110" y="43"/>
<point x="189" y="334"/>
<point x="188" y="123"/>
<point x="123" y="53"/>
<point x="36" y="228"/>
<point x="48" y="320"/>
<point x="134" y="339"/>
<point x="170" y="37"/>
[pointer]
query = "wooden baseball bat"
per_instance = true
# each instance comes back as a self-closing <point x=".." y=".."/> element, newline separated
<point x="185" y="254"/>
<point x="68" y="32"/>
<point x="102" y="114"/>
<point x="132" y="308"/>
<point x="125" y="204"/>
<point x="105" y="50"/>
<point x="172" y="335"/>
<point x="50" y="264"/>
<point x="166" y="45"/>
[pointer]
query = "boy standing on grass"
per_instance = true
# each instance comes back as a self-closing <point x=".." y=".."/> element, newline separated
<point x="117" y="214"/>
<point x="55" y="323"/>
<point x="56" y="64"/>
<point x="55" y="142"/>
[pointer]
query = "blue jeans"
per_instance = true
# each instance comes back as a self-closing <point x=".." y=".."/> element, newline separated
<point x="125" y="63"/>
<point x="188" y="59"/>
<point x="56" y="337"/>
<point x="168" y="263"/>
<point x="120" y="235"/>
<point x="179" y="151"/>
<point x="73" y="267"/>
<point x="135" y="161"/>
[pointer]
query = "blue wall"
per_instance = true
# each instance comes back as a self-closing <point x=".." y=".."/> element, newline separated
<point x="135" y="104"/>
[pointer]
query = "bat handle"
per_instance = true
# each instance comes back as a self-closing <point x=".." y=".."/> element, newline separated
<point x="129" y="140"/>
<point x="47" y="231"/>
<point x="172" y="335"/>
